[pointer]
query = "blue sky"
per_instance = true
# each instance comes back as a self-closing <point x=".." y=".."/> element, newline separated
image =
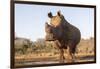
<point x="30" y="19"/>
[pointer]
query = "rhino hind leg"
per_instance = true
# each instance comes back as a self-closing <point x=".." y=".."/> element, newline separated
<point x="71" y="53"/>
<point x="73" y="49"/>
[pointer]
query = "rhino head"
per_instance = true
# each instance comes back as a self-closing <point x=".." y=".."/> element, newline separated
<point x="53" y="30"/>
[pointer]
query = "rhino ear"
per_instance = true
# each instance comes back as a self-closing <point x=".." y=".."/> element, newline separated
<point x="50" y="15"/>
<point x="59" y="13"/>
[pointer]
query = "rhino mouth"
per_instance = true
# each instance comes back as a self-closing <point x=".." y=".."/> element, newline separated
<point x="49" y="40"/>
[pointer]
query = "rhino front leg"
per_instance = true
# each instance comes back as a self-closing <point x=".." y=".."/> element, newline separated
<point x="62" y="56"/>
<point x="61" y="51"/>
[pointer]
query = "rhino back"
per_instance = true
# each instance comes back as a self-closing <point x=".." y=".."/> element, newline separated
<point x="71" y="33"/>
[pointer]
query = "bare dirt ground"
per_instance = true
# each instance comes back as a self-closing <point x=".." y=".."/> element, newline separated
<point x="49" y="58"/>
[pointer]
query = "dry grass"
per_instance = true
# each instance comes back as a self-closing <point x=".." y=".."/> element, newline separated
<point x="85" y="51"/>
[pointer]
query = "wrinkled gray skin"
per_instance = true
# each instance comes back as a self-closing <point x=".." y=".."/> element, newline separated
<point x="63" y="34"/>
